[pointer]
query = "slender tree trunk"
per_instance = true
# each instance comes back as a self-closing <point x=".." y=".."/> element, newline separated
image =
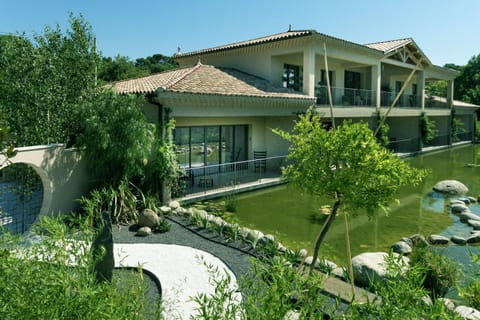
<point x="323" y="233"/>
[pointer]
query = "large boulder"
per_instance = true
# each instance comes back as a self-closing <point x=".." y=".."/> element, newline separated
<point x="468" y="312"/>
<point x="450" y="187"/>
<point x="370" y="266"/>
<point x="148" y="218"/>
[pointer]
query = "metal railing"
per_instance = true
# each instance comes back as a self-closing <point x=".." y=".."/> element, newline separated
<point x="210" y="177"/>
<point x="345" y="96"/>
<point x="405" y="100"/>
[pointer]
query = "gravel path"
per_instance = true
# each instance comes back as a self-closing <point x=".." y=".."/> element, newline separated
<point x="233" y="254"/>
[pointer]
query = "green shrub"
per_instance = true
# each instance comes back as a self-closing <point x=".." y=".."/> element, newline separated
<point x="440" y="272"/>
<point x="471" y="292"/>
<point x="401" y="297"/>
<point x="54" y="278"/>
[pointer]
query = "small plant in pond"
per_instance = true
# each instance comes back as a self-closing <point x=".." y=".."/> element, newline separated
<point x="230" y="202"/>
<point x="471" y="292"/>
<point x="439" y="271"/>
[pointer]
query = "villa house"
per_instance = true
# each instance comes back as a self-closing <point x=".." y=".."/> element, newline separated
<point x="225" y="100"/>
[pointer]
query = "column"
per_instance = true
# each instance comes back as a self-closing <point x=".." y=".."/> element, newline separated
<point x="376" y="84"/>
<point x="450" y="94"/>
<point x="421" y="89"/>
<point x="309" y="71"/>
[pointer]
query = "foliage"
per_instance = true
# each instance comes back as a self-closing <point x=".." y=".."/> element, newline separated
<point x="163" y="164"/>
<point x="467" y="84"/>
<point x="64" y="287"/>
<point x="472" y="291"/>
<point x="439" y="272"/>
<point x="120" y="201"/>
<point x="116" y="139"/>
<point x="43" y="79"/>
<point x="456" y="127"/>
<point x="347" y="164"/>
<point x="272" y="290"/>
<point x="401" y="297"/>
<point x="382" y="135"/>
<point x="427" y="128"/>
<point x="121" y="67"/>
<point x="436" y="88"/>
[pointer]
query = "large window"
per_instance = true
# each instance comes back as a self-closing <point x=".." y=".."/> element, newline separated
<point x="292" y="77"/>
<point x="200" y="146"/>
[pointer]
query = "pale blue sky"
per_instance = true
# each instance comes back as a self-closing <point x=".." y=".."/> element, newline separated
<point x="448" y="31"/>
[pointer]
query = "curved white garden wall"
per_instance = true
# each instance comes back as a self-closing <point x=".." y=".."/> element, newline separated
<point x="63" y="174"/>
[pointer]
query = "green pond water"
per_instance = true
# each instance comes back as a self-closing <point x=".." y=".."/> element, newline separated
<point x="295" y="220"/>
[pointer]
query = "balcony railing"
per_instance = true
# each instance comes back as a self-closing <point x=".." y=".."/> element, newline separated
<point x="346" y="97"/>
<point x="206" y="178"/>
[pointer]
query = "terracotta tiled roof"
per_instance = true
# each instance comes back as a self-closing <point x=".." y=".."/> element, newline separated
<point x="206" y="79"/>
<point x="391" y="45"/>
<point x="275" y="37"/>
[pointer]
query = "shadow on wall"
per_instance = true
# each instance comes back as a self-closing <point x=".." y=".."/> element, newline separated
<point x="63" y="174"/>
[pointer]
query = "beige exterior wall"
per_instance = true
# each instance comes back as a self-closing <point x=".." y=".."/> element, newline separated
<point x="63" y="173"/>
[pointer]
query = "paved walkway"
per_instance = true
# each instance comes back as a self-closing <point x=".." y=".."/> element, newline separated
<point x="182" y="272"/>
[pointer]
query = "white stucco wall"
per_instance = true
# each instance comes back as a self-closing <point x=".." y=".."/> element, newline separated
<point x="63" y="174"/>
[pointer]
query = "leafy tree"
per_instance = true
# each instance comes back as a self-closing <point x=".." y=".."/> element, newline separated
<point x="119" y="68"/>
<point x="117" y="139"/>
<point x="42" y="80"/>
<point x="347" y="164"/>
<point x="156" y="63"/>
<point x="467" y="85"/>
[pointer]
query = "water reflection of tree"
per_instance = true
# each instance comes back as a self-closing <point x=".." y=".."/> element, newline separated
<point x="22" y="181"/>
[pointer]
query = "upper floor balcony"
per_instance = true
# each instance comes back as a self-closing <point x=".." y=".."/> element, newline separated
<point x="348" y="97"/>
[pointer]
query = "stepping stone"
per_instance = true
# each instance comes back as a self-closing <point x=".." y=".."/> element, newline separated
<point x="437" y="239"/>
<point x="458" y="240"/>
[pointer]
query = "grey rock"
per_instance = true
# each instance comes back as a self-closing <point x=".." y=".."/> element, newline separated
<point x="458" y="240"/>
<point x="407" y="241"/>
<point x="144" y="231"/>
<point x="437" y="239"/>
<point x="458" y="208"/>
<point x="174" y="204"/>
<point x="456" y="201"/>
<point x="465" y="200"/>
<point x="303" y="253"/>
<point x="165" y="210"/>
<point x="450" y="187"/>
<point x="371" y="265"/>
<point x="468" y="312"/>
<point x="474" y="223"/>
<point x="148" y="218"/>
<point x="419" y="240"/>
<point x="472" y="199"/>
<point x="468" y="215"/>
<point x="402" y="247"/>
<point x="474" y="239"/>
